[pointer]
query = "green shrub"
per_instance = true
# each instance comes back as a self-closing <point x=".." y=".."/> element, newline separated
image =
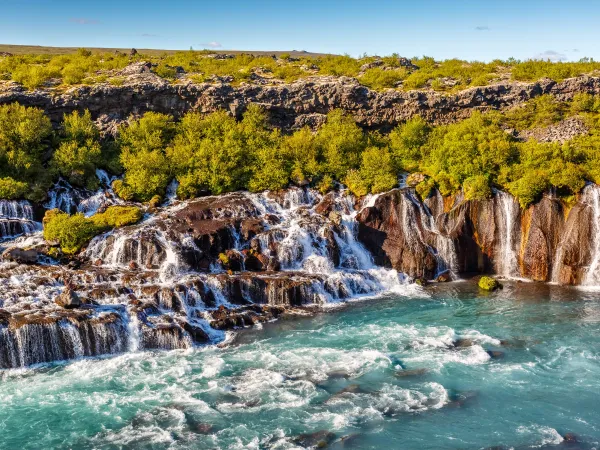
<point x="477" y="188"/>
<point x="585" y="103"/>
<point x="80" y="152"/>
<point x="475" y="146"/>
<point x="72" y="232"/>
<point x="341" y="142"/>
<point x="339" y="65"/>
<point x="217" y="154"/>
<point x="406" y="144"/>
<point x="539" y="112"/>
<point x="143" y="144"/>
<point x="165" y="71"/>
<point x="33" y="76"/>
<point x="122" y="190"/>
<point x="12" y="189"/>
<point x="25" y="137"/>
<point x="530" y="187"/>
<point x="326" y="184"/>
<point x="303" y="155"/>
<point x="271" y="171"/>
<point x="379" y="79"/>
<point x="532" y="70"/>
<point x="377" y="171"/>
<point x="356" y="184"/>
<point x="73" y="74"/>
<point x="425" y="188"/>
<point x="117" y="216"/>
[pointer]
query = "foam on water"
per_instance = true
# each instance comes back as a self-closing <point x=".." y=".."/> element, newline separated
<point x="335" y="372"/>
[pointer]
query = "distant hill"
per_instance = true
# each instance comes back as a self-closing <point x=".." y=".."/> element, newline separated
<point x="41" y="50"/>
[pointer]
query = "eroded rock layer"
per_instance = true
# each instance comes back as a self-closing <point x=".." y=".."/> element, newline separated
<point x="303" y="102"/>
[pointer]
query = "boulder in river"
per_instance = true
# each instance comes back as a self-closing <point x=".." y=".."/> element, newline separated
<point x="21" y="255"/>
<point x="68" y="299"/>
<point x="489" y="284"/>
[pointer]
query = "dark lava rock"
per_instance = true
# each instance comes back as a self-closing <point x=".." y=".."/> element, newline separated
<point x="411" y="373"/>
<point x="20" y="255"/>
<point x="318" y="439"/>
<point x="495" y="354"/>
<point x="68" y="299"/>
<point x="463" y="343"/>
<point x="444" y="277"/>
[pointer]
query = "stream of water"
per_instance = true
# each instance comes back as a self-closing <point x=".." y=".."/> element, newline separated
<point x="375" y="373"/>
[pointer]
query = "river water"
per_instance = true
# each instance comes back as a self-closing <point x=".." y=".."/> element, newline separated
<point x="340" y="371"/>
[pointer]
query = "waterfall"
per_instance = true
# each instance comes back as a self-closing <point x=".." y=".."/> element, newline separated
<point x="307" y="242"/>
<point x="443" y="247"/>
<point x="171" y="194"/>
<point x="505" y="255"/>
<point x="17" y="219"/>
<point x="143" y="291"/>
<point x="35" y="343"/>
<point x="591" y="197"/>
<point x="70" y="199"/>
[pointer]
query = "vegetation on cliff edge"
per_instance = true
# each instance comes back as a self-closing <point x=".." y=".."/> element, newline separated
<point x="87" y="67"/>
<point x="215" y="153"/>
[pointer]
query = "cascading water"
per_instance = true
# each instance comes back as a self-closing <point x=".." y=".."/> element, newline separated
<point x="69" y="199"/>
<point x="303" y="244"/>
<point x="591" y="197"/>
<point x="16" y="219"/>
<point x="443" y="246"/>
<point x="505" y="255"/>
<point x="148" y="293"/>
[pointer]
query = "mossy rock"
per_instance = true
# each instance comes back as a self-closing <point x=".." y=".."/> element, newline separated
<point x="489" y="284"/>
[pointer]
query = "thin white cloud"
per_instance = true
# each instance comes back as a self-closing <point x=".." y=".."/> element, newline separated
<point x="482" y="28"/>
<point x="552" y="55"/>
<point x="83" y="21"/>
<point x="214" y="44"/>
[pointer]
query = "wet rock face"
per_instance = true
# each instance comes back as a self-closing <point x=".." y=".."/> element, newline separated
<point x="574" y="254"/>
<point x="542" y="227"/>
<point x="392" y="231"/>
<point x="289" y="105"/>
<point x="546" y="242"/>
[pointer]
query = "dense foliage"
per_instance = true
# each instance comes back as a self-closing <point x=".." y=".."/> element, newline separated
<point x="24" y="138"/>
<point x="215" y="153"/>
<point x="72" y="232"/>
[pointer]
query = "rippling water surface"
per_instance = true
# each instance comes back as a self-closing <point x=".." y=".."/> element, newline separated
<point x="380" y="373"/>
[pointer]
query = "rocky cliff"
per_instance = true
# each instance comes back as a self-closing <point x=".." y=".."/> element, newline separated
<point x="546" y="242"/>
<point x="303" y="102"/>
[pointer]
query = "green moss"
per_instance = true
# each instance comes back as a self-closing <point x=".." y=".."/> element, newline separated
<point x="117" y="216"/>
<point x="224" y="259"/>
<point x="122" y="190"/>
<point x="155" y="201"/>
<point x="72" y="232"/>
<point x="489" y="284"/>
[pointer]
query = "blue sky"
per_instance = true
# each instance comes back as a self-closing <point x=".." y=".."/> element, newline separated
<point x="472" y="30"/>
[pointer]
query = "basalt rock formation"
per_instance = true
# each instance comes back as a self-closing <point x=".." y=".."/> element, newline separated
<point x="293" y="105"/>
<point x="546" y="242"/>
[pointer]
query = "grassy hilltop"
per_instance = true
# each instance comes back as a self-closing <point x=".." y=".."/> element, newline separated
<point x="37" y="67"/>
